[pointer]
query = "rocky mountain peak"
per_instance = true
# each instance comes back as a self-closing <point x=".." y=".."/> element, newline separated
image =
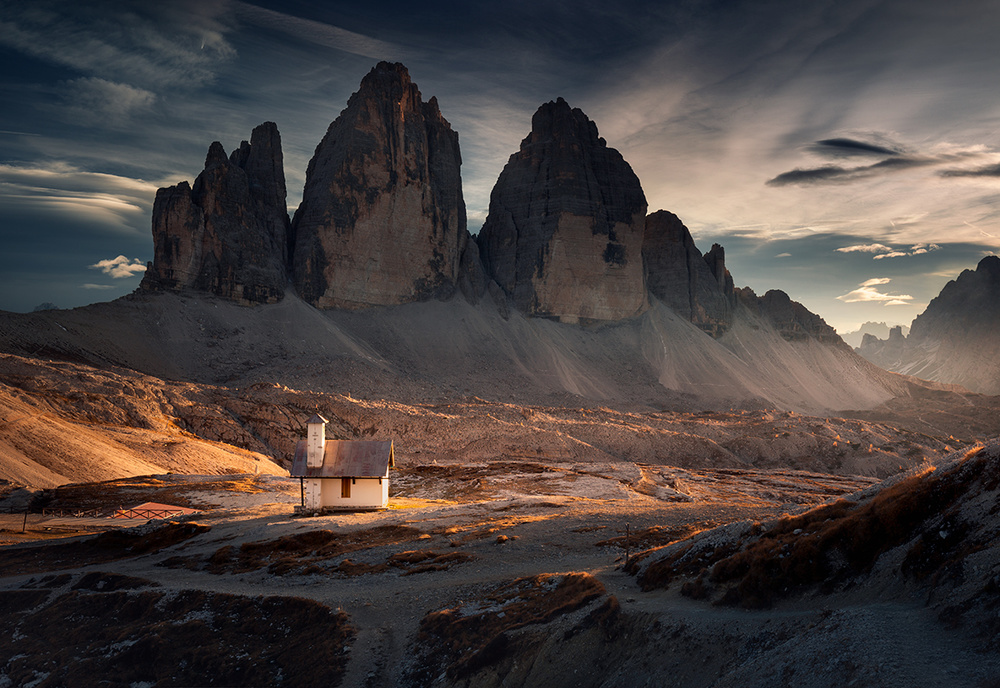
<point x="216" y="155"/>
<point x="556" y="121"/>
<point x="382" y="218"/>
<point x="965" y="304"/>
<point x="226" y="234"/>
<point x="957" y="337"/>
<point x="563" y="237"/>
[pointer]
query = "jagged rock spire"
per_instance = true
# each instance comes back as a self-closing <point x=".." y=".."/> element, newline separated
<point x="226" y="235"/>
<point x="382" y="219"/>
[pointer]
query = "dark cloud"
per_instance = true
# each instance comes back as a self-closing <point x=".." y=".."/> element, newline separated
<point x="817" y="175"/>
<point x="835" y="173"/>
<point x="851" y="147"/>
<point x="988" y="171"/>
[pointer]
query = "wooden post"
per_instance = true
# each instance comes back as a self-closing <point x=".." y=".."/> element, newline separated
<point x="25" y="524"/>
<point x="628" y="542"/>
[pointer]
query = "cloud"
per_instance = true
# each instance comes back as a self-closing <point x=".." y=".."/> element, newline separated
<point x="93" y="100"/>
<point x="319" y="33"/>
<point x="845" y="147"/>
<point x="179" y="44"/>
<point x="896" y="157"/>
<point x="884" y="251"/>
<point x="891" y="254"/>
<point x="784" y="255"/>
<point x="836" y="173"/>
<point x="113" y="201"/>
<point x="120" y="267"/>
<point x="867" y="293"/>
<point x="987" y="171"/>
<point x="98" y="286"/>
<point x="864" y="248"/>
<point x="918" y="249"/>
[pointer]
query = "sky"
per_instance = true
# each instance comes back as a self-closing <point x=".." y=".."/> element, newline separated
<point x="844" y="151"/>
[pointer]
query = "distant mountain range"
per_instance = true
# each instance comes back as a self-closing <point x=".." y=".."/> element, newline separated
<point x="957" y="337"/>
<point x="376" y="287"/>
<point x="877" y="329"/>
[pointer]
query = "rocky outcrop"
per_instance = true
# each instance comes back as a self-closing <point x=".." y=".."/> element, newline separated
<point x="563" y="237"/>
<point x="956" y="339"/>
<point x="382" y="219"/>
<point x="698" y="288"/>
<point x="792" y="320"/>
<point x="226" y="235"/>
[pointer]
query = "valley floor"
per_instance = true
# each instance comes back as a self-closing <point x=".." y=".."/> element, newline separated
<point x="502" y="573"/>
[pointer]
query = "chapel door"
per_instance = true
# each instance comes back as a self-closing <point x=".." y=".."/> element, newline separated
<point x="345" y="488"/>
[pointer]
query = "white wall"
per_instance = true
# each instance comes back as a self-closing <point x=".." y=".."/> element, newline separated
<point x="366" y="493"/>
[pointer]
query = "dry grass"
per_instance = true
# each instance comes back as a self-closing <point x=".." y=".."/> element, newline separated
<point x="118" y="629"/>
<point x="302" y="553"/>
<point x="655" y="536"/>
<point x="124" y="492"/>
<point x="105" y="547"/>
<point x="467" y="638"/>
<point x="836" y="542"/>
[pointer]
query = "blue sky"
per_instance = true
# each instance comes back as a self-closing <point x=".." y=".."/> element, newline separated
<point x="847" y="152"/>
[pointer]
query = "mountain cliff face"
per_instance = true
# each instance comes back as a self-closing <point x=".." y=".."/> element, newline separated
<point x="382" y="219"/>
<point x="956" y="339"/>
<point x="227" y="234"/>
<point x="678" y="274"/>
<point x="563" y="238"/>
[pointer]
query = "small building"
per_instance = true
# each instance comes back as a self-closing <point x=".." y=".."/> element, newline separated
<point x="341" y="474"/>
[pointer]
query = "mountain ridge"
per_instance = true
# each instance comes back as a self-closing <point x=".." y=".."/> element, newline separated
<point x="957" y="337"/>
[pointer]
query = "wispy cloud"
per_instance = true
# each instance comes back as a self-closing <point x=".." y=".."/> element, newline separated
<point x="867" y="293"/>
<point x="884" y="251"/>
<point x="836" y="173"/>
<point x="140" y="43"/>
<point x="895" y="157"/>
<point x="116" y="202"/>
<point x="864" y="248"/>
<point x="92" y="100"/>
<point x="318" y="32"/>
<point x="119" y="267"/>
<point x="986" y="171"/>
<point x="90" y="285"/>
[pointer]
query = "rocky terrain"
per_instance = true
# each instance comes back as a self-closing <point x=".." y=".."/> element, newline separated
<point x="67" y="422"/>
<point x="955" y="339"/>
<point x="527" y="572"/>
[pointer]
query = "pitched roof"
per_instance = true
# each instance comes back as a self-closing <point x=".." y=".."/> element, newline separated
<point x="346" y="459"/>
<point x="316" y="418"/>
